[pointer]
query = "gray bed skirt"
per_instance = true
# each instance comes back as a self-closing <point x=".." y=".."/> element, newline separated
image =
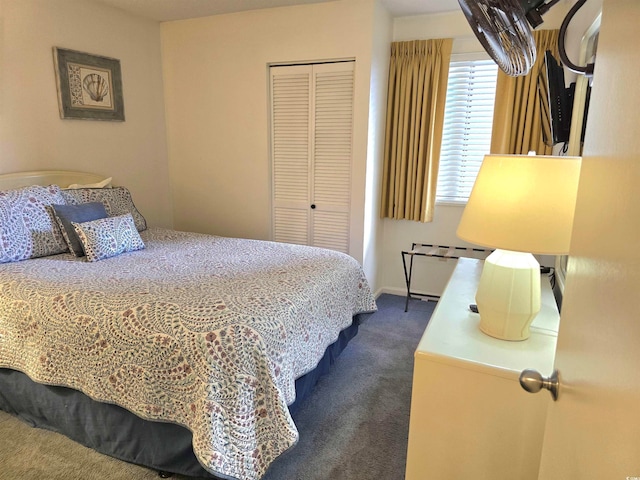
<point x="116" y="432"/>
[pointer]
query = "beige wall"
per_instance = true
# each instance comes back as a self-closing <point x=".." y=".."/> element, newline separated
<point x="216" y="92"/>
<point x="214" y="154"/>
<point x="32" y="134"/>
<point x="373" y="230"/>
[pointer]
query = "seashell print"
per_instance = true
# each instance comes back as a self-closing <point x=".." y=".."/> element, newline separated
<point x="96" y="86"/>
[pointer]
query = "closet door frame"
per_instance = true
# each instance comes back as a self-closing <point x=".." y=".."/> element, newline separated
<point x="327" y="223"/>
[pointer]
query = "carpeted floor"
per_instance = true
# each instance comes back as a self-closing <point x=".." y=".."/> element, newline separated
<point x="353" y="427"/>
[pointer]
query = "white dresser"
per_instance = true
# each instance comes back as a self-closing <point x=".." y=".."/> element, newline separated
<point x="469" y="416"/>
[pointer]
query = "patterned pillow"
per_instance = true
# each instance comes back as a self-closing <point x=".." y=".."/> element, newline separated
<point x="116" y="200"/>
<point x="108" y="237"/>
<point x="27" y="227"/>
<point x="85" y="212"/>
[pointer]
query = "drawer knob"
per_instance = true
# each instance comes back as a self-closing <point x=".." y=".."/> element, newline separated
<point x="532" y="381"/>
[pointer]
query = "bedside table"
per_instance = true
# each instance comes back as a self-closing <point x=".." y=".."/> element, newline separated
<point x="469" y="416"/>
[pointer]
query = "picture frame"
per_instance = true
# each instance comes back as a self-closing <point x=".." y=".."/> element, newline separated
<point x="89" y="86"/>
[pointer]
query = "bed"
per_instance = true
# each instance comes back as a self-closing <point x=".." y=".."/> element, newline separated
<point x="184" y="352"/>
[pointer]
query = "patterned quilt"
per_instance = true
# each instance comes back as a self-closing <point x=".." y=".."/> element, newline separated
<point x="207" y="332"/>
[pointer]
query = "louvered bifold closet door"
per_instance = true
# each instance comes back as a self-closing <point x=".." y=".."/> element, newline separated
<point x="331" y="160"/>
<point x="311" y="153"/>
<point x="291" y="152"/>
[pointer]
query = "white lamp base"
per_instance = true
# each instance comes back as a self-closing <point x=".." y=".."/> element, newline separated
<point x="508" y="295"/>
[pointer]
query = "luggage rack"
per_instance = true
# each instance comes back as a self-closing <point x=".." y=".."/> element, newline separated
<point x="437" y="251"/>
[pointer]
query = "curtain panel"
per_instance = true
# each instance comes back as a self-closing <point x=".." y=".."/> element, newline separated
<point x="416" y="95"/>
<point x="517" y="116"/>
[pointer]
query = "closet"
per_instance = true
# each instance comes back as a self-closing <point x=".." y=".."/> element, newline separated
<point x="311" y="153"/>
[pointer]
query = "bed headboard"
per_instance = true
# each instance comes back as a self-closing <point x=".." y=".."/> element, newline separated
<point x="47" y="177"/>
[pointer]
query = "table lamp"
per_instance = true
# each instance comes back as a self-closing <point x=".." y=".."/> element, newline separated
<point x="519" y="205"/>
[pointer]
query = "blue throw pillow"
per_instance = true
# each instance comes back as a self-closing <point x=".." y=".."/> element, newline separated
<point x="84" y="212"/>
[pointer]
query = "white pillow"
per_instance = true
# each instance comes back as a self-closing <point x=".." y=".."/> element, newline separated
<point x="106" y="183"/>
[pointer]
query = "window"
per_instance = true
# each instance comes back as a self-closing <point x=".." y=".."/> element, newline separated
<point x="468" y="120"/>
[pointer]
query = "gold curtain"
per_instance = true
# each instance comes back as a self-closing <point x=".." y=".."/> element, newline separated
<point x="418" y="74"/>
<point x="517" y="118"/>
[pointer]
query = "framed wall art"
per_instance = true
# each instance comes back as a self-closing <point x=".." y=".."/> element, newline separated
<point x="89" y="86"/>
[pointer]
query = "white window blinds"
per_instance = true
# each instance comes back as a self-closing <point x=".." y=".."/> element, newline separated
<point x="468" y="120"/>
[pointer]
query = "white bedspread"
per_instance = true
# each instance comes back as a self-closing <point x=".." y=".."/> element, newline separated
<point x="207" y="332"/>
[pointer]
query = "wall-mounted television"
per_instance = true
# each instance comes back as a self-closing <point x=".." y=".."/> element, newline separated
<point x="556" y="101"/>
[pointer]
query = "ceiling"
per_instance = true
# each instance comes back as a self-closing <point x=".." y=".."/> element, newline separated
<point x="167" y="10"/>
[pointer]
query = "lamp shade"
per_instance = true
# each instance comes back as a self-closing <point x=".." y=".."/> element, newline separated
<point x="522" y="203"/>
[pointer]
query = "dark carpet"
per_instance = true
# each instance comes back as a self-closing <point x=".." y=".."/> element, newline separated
<point x="353" y="426"/>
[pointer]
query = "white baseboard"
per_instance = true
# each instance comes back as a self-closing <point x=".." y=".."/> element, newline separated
<point x="401" y="292"/>
<point x="392" y="291"/>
